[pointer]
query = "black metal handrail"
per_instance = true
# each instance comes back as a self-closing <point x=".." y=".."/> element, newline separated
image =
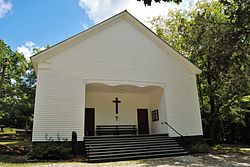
<point x="184" y="141"/>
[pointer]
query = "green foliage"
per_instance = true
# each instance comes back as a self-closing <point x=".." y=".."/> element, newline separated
<point x="148" y="2"/>
<point x="15" y="143"/>
<point x="18" y="89"/>
<point x="60" y="149"/>
<point x="231" y="149"/>
<point x="10" y="130"/>
<point x="199" y="147"/>
<point x="215" y="37"/>
<point x="51" y="150"/>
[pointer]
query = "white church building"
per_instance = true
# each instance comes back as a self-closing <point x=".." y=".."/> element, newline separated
<point x="116" y="73"/>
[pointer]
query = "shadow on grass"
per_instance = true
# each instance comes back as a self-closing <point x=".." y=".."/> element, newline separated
<point x="202" y="160"/>
<point x="155" y="162"/>
<point x="21" y="161"/>
<point x="13" y="159"/>
<point x="232" y="149"/>
<point x="14" y="143"/>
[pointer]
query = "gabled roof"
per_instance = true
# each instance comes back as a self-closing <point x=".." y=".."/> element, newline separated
<point x="125" y="15"/>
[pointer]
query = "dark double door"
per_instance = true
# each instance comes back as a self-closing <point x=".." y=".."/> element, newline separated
<point x="142" y="120"/>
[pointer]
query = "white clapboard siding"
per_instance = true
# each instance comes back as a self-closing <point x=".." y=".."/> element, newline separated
<point x="59" y="106"/>
<point x="183" y="108"/>
<point x="118" y="53"/>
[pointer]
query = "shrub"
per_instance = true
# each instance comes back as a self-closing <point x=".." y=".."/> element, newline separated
<point x="74" y="143"/>
<point x="60" y="149"/>
<point x="51" y="150"/>
<point x="199" y="147"/>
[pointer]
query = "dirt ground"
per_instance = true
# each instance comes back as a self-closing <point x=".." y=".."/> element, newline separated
<point x="203" y="160"/>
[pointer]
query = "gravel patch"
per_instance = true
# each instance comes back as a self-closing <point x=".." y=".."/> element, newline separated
<point x="204" y="160"/>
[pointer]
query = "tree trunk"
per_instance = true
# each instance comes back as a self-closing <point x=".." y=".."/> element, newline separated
<point x="200" y="93"/>
<point x="212" y="104"/>
<point x="212" y="120"/>
<point x="2" y="79"/>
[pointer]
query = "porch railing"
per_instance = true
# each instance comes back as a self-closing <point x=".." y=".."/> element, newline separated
<point x="184" y="140"/>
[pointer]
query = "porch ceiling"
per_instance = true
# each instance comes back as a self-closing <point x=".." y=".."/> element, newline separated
<point x="98" y="87"/>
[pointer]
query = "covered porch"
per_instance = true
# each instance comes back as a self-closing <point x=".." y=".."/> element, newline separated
<point x="124" y="109"/>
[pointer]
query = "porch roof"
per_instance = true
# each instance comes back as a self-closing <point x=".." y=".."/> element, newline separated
<point x="99" y="87"/>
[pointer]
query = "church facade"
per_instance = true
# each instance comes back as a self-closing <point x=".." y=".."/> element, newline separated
<point x="115" y="74"/>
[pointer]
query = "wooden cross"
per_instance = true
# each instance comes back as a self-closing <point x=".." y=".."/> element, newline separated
<point x="116" y="101"/>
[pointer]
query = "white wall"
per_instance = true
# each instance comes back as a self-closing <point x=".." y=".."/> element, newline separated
<point x="158" y="101"/>
<point x="58" y="107"/>
<point x="105" y="108"/>
<point x="119" y="53"/>
<point x="183" y="111"/>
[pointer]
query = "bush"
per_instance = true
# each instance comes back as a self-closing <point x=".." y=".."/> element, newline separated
<point x="74" y="143"/>
<point x="199" y="147"/>
<point x="51" y="150"/>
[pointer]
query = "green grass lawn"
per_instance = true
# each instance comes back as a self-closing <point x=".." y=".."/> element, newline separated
<point x="231" y="149"/>
<point x="14" y="143"/>
<point x="20" y="161"/>
<point x="9" y="130"/>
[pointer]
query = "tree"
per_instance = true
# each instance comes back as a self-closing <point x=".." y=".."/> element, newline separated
<point x="5" y="63"/>
<point x="18" y="90"/>
<point x="215" y="37"/>
<point x="148" y="2"/>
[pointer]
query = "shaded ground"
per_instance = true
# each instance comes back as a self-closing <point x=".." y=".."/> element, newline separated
<point x="219" y="156"/>
<point x="202" y="160"/>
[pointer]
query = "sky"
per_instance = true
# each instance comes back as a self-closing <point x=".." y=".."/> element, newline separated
<point x="26" y="24"/>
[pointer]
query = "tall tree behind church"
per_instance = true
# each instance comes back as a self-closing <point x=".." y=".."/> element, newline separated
<point x="215" y="37"/>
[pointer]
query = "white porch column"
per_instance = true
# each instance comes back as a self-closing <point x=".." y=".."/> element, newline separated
<point x="165" y="106"/>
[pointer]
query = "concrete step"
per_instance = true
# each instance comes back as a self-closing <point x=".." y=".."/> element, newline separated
<point x="126" y="146"/>
<point x="128" y="140"/>
<point x="135" y="150"/>
<point x="133" y="157"/>
<point x="109" y="148"/>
